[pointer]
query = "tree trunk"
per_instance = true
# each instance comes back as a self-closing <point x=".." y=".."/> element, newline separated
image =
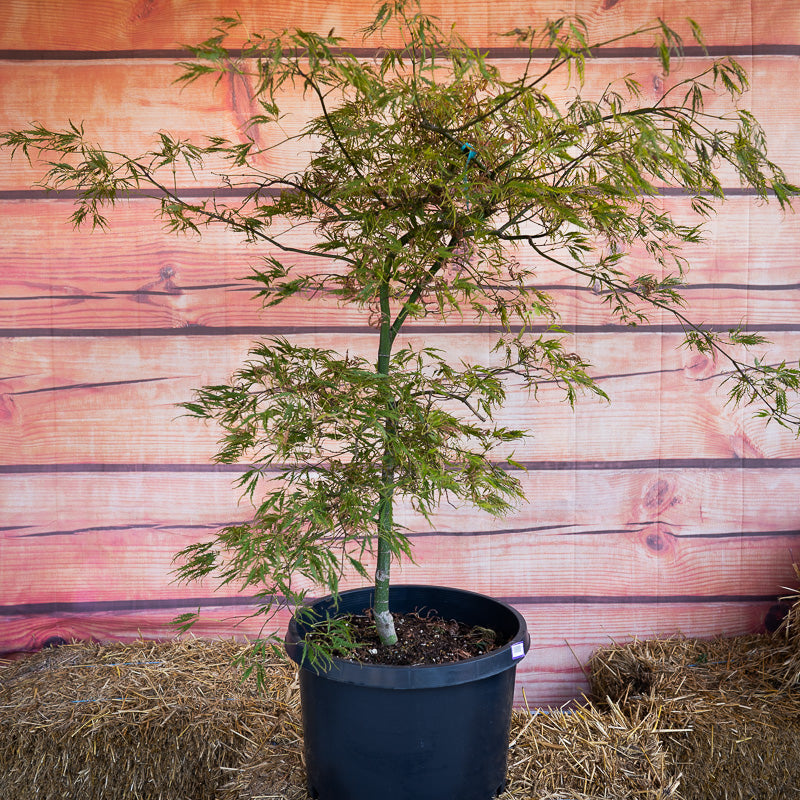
<point x="380" y="608"/>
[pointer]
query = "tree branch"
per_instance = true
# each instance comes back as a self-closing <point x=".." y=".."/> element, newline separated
<point x="739" y="368"/>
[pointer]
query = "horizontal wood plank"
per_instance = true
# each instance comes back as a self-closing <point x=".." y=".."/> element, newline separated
<point x="161" y="306"/>
<point x="135" y="252"/>
<point x="94" y="540"/>
<point x="139" y="276"/>
<point x="754" y="499"/>
<point x="108" y="400"/>
<point x="78" y="25"/>
<point x="563" y="635"/>
<point x="124" y="104"/>
<point x="134" y="567"/>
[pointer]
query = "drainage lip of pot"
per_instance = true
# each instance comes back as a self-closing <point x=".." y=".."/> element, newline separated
<point x="469" y="607"/>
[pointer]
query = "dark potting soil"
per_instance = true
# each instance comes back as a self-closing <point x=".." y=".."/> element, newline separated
<point x="421" y="639"/>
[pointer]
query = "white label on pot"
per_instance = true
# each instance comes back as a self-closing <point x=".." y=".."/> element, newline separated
<point x="517" y="650"/>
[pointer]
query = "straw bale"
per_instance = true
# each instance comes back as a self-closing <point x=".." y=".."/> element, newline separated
<point x="669" y="667"/>
<point x="587" y="754"/>
<point x="676" y="718"/>
<point x="790" y="629"/>
<point x="272" y="767"/>
<point x="162" y="721"/>
<point x="731" y="720"/>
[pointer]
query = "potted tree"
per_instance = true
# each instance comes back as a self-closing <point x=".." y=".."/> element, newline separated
<point x="429" y="167"/>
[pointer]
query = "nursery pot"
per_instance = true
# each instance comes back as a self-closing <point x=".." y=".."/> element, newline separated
<point x="436" y="732"/>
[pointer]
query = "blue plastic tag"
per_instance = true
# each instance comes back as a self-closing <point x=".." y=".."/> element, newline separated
<point x="517" y="650"/>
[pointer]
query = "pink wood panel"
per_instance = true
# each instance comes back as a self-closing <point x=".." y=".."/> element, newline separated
<point x="563" y="635"/>
<point x="137" y="275"/>
<point x="124" y="103"/>
<point x="76" y="25"/>
<point x="160" y="305"/>
<point x="640" y="561"/>
<point x="645" y="519"/>
<point x="94" y="538"/>
<point x="77" y="261"/>
<point x="95" y="400"/>
<point x="115" y="400"/>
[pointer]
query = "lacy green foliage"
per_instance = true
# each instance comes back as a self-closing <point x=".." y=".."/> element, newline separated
<point x="429" y="167"/>
<point x="333" y="419"/>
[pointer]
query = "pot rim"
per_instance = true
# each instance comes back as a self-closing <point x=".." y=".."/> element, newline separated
<point x="421" y="676"/>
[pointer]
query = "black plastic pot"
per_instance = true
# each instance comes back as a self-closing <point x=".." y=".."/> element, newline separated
<point x="411" y="733"/>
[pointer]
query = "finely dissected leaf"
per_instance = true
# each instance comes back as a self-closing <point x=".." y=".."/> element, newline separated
<point x="428" y="169"/>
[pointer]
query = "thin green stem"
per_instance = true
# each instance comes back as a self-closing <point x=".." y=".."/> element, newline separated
<point x="380" y="608"/>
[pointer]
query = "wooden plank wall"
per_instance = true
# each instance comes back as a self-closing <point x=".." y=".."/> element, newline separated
<point x="665" y="512"/>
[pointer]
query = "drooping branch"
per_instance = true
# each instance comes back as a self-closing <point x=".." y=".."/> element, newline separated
<point x="700" y="338"/>
<point x="230" y="220"/>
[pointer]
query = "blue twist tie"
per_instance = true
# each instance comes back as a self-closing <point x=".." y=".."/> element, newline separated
<point x="470" y="152"/>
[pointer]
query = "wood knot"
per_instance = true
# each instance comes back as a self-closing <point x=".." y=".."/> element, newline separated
<point x="163" y="285"/>
<point x="660" y="494"/>
<point x="658" y="540"/>
<point x="143" y="9"/>
<point x="6" y="407"/>
<point x="699" y="366"/>
<point x="607" y="5"/>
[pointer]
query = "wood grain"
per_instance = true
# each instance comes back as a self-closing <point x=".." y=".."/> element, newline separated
<point x="124" y="104"/>
<point x="96" y="400"/>
<point x="76" y="25"/>
<point x="641" y="562"/>
<point x="93" y="539"/>
<point x="138" y="275"/>
<point x="563" y="635"/>
<point x="217" y="306"/>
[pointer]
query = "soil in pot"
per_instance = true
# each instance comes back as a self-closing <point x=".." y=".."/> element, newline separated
<point x="422" y="638"/>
